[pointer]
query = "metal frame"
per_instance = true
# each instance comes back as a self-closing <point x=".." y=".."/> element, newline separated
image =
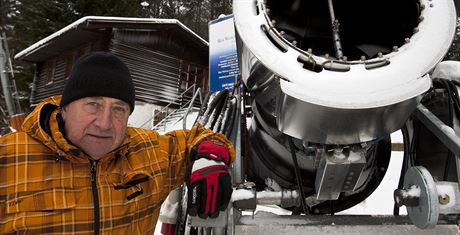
<point x="444" y="133"/>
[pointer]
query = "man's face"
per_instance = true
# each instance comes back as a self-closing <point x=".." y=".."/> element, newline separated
<point x="97" y="125"/>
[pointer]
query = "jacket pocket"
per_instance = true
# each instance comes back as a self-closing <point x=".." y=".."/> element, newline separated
<point x="46" y="200"/>
<point x="133" y="183"/>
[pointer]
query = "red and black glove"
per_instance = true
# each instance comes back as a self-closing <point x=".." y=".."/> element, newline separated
<point x="209" y="185"/>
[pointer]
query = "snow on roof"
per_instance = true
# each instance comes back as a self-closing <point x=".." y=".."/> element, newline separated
<point x="86" y="21"/>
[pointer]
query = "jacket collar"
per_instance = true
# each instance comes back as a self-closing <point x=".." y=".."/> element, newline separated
<point x="45" y="124"/>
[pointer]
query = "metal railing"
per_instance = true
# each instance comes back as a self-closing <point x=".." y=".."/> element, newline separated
<point x="188" y="104"/>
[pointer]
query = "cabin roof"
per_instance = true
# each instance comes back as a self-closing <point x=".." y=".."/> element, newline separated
<point x="92" y="27"/>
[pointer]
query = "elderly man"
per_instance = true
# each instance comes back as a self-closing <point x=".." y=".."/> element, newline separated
<point x="78" y="168"/>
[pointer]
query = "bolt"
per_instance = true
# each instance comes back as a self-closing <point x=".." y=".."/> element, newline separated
<point x="444" y="199"/>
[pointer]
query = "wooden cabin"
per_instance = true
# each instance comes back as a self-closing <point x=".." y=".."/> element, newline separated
<point x="164" y="56"/>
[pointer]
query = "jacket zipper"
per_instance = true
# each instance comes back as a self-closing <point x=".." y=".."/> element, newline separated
<point x="95" y="197"/>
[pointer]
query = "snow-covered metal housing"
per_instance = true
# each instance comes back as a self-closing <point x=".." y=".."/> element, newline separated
<point x="329" y="81"/>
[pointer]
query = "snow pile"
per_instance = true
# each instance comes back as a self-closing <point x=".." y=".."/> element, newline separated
<point x="413" y="191"/>
<point x="242" y="194"/>
<point x="448" y="69"/>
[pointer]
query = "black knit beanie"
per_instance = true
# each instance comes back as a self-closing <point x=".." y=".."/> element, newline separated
<point x="99" y="74"/>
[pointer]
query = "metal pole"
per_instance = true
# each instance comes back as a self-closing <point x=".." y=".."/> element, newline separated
<point x="335" y="31"/>
<point x="15" y="88"/>
<point x="238" y="167"/>
<point x="184" y="121"/>
<point x="4" y="77"/>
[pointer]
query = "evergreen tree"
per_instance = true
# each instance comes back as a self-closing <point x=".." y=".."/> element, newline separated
<point x="34" y="20"/>
<point x="194" y="14"/>
<point x="8" y="10"/>
<point x="40" y="18"/>
<point x="125" y="8"/>
<point x="454" y="51"/>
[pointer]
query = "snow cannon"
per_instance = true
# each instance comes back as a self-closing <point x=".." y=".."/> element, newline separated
<point x="327" y="83"/>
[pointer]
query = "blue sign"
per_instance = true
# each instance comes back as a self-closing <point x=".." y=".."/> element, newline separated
<point x="223" y="58"/>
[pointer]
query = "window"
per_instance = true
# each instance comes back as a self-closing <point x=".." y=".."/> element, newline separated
<point x="70" y="59"/>
<point x="50" y="67"/>
<point x="73" y="55"/>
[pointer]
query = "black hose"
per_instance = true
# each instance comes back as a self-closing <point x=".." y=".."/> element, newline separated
<point x="406" y="142"/>
<point x="220" y="116"/>
<point x="228" y="125"/>
<point x="297" y="176"/>
<point x="217" y="110"/>
<point x="210" y="110"/>
<point x="203" y="108"/>
<point x="223" y="120"/>
<point x="204" y="111"/>
<point x="204" y="105"/>
<point x="450" y="86"/>
<point x="450" y="123"/>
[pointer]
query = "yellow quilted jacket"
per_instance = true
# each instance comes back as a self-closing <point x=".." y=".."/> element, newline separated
<point x="49" y="186"/>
